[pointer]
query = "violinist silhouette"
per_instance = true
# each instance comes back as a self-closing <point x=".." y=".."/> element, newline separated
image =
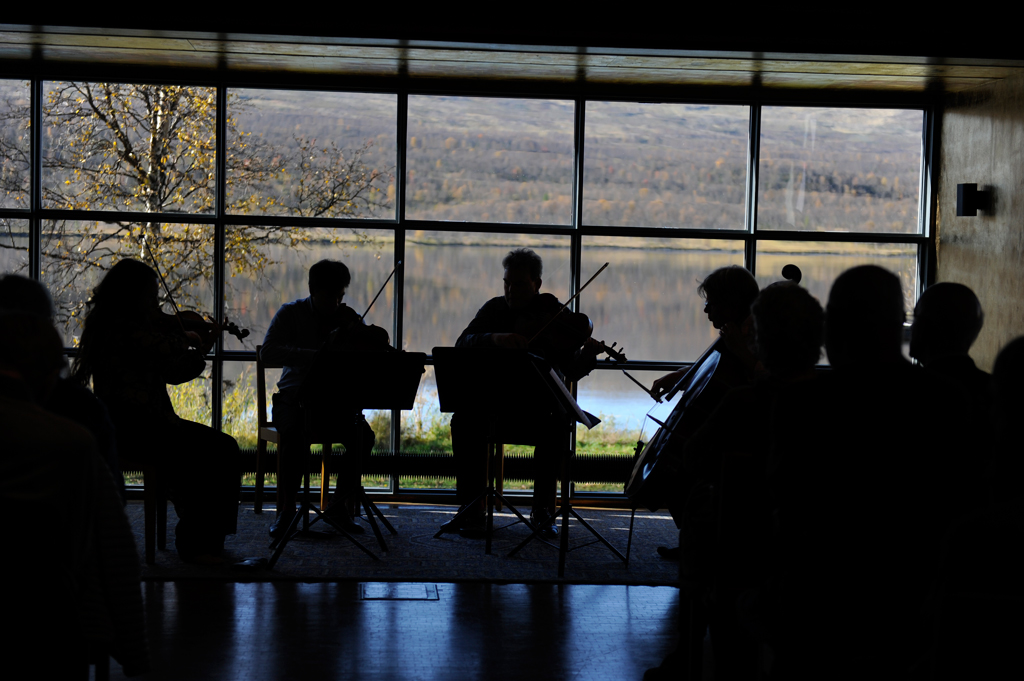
<point x="298" y="331"/>
<point x="131" y="351"/>
<point x="512" y="321"/>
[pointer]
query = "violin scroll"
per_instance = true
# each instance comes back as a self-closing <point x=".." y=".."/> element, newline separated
<point x="203" y="326"/>
<point x="613" y="354"/>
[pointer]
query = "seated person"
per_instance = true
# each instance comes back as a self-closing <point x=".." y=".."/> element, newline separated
<point x="131" y="351"/>
<point x="495" y="326"/>
<point x="727" y="522"/>
<point x="947" y="321"/>
<point x="297" y="332"/>
<point x="67" y="398"/>
<point x="864" y="471"/>
<point x="978" y="590"/>
<point x="81" y="588"/>
<point x="728" y="293"/>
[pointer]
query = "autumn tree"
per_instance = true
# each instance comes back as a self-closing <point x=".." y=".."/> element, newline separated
<point x="152" y="149"/>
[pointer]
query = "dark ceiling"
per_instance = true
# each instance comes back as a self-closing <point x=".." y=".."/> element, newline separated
<point x="789" y="30"/>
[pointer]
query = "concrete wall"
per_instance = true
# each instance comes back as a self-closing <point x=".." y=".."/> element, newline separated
<point x="983" y="142"/>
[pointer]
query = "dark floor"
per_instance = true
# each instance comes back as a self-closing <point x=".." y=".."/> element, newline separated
<point x="287" y="630"/>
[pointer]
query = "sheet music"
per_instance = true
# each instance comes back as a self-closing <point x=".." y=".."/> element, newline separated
<point x="581" y="416"/>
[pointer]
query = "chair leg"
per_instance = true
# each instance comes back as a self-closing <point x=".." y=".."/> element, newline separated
<point x="149" y="513"/>
<point x="325" y="475"/>
<point x="499" y="453"/>
<point x="629" y="541"/>
<point x="261" y="453"/>
<point x="161" y="519"/>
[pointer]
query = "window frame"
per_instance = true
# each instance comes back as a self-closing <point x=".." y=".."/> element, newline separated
<point x="577" y="230"/>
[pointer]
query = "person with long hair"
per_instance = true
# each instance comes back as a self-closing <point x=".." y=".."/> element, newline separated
<point x="131" y="350"/>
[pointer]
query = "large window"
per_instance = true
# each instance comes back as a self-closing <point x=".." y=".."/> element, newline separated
<point x="235" y="191"/>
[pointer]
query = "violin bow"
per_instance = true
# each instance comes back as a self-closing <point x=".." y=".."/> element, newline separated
<point x="397" y="265"/>
<point x="234" y="330"/>
<point x="642" y="386"/>
<point x="156" y="268"/>
<point x="603" y="267"/>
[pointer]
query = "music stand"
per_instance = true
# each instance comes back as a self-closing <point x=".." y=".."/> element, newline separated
<point x="342" y="384"/>
<point x="529" y="390"/>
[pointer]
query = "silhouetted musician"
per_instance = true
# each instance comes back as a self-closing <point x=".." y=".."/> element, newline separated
<point x="298" y="331"/>
<point x="508" y="321"/>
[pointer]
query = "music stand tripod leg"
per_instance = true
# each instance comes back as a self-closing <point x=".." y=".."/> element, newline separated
<point x="368" y="506"/>
<point x="364" y="499"/>
<point x="346" y="534"/>
<point x="373" y="521"/>
<point x="629" y="542"/>
<point x="597" y="535"/>
<point x="279" y="543"/>
<point x="563" y="545"/>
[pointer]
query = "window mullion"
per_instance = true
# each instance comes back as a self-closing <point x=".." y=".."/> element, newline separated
<point x="927" y="255"/>
<point x="399" y="256"/>
<point x="575" y="241"/>
<point x="576" y="238"/>
<point x="750" y="213"/>
<point x="35" y="179"/>
<point x="219" y="303"/>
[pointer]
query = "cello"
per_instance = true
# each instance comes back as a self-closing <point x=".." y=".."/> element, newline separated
<point x="656" y="465"/>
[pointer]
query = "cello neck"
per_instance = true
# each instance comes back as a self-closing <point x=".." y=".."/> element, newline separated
<point x="684" y="382"/>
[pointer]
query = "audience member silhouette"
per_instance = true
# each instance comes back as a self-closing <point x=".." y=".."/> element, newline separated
<point x="727" y="519"/>
<point x="67" y="398"/>
<point x="979" y="592"/>
<point x="947" y="320"/>
<point x="863" y="468"/>
<point x="131" y="351"/>
<point x="71" y="567"/>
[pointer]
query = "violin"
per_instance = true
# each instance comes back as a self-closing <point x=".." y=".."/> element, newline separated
<point x="561" y="330"/>
<point x="360" y="337"/>
<point x="203" y="326"/>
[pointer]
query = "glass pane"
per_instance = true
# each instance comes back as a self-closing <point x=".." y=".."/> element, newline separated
<point x="193" y="400"/>
<point x="314" y="154"/>
<point x="14" y="144"/>
<point x="118" y="146"/>
<point x="475" y="159"/>
<point x="821" y="262"/>
<point x="840" y="170"/>
<point x="622" y="408"/>
<point x="268" y="266"/>
<point x="426" y="432"/>
<point x="76" y="254"/>
<point x="665" y="165"/>
<point x="14" y="240"/>
<point x="647" y="299"/>
<point x="239" y="402"/>
<point x="449" y="276"/>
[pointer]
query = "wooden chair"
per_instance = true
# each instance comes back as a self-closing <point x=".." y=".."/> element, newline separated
<point x="154" y="497"/>
<point x="155" y="511"/>
<point x="266" y="431"/>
